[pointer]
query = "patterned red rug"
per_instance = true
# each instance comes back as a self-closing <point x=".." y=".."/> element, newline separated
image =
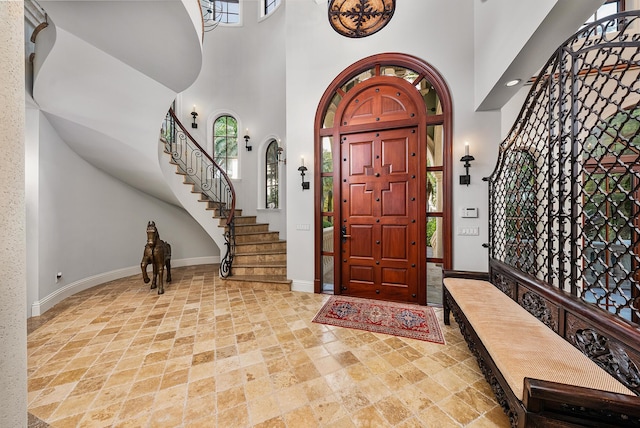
<point x="398" y="319"/>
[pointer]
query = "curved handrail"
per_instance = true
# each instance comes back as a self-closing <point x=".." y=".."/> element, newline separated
<point x="232" y="211"/>
<point x="209" y="178"/>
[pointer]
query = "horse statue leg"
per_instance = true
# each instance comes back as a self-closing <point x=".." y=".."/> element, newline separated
<point x="158" y="267"/>
<point x="146" y="259"/>
<point x="167" y="260"/>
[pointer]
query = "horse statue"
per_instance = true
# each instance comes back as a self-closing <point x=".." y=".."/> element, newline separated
<point x="158" y="253"/>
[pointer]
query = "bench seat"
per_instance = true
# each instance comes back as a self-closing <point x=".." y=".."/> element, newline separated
<point x="520" y="345"/>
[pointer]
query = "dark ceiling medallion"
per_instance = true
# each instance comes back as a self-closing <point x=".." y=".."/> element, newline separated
<point x="360" y="18"/>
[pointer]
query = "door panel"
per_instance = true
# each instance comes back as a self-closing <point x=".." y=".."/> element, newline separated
<point x="379" y="254"/>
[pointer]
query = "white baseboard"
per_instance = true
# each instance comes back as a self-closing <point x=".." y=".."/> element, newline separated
<point x="41" y="306"/>
<point x="304" y="286"/>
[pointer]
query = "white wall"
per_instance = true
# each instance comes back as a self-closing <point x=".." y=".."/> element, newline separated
<point x="316" y="55"/>
<point x="243" y="74"/>
<point x="88" y="223"/>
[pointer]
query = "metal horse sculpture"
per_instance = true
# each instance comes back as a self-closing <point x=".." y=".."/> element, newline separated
<point x="158" y="253"/>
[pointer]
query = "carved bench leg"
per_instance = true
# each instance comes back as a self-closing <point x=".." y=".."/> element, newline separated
<point x="445" y="306"/>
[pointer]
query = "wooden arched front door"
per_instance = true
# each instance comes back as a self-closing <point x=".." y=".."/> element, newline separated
<point x="375" y="156"/>
<point x="380" y="170"/>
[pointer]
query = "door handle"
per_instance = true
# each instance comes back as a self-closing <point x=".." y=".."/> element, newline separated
<point x="343" y="234"/>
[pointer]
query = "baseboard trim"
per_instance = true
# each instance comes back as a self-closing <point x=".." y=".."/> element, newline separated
<point x="304" y="286"/>
<point x="41" y="306"/>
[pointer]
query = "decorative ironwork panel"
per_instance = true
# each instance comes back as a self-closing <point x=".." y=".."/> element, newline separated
<point x="565" y="195"/>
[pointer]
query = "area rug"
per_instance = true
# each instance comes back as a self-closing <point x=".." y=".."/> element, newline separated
<point x="398" y="319"/>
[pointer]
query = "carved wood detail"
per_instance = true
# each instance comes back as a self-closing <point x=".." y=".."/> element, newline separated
<point x="539" y="307"/>
<point x="607" y="353"/>
<point x="504" y="284"/>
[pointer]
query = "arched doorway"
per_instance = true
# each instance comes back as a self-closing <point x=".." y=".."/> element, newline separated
<point x="383" y="164"/>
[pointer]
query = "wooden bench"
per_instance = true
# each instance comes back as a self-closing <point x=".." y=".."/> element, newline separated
<point x="550" y="358"/>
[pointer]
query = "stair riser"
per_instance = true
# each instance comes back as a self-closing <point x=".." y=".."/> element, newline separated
<point x="243" y="271"/>
<point x="260" y="247"/>
<point x="247" y="259"/>
<point x="239" y="220"/>
<point x="259" y="237"/>
<point x="251" y="228"/>
<point x="256" y="285"/>
<point x="217" y="213"/>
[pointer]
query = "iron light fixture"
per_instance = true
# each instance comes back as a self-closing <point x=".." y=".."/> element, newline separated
<point x="194" y="113"/>
<point x="303" y="169"/>
<point x="466" y="178"/>
<point x="360" y="18"/>
<point x="246" y="140"/>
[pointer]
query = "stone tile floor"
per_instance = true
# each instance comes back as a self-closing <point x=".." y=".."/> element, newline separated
<point x="202" y="355"/>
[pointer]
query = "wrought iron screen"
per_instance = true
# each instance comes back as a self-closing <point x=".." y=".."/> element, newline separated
<point x="565" y="194"/>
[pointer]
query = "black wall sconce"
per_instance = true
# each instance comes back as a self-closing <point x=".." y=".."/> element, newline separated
<point x="194" y="113"/>
<point x="466" y="179"/>
<point x="246" y="140"/>
<point x="303" y="169"/>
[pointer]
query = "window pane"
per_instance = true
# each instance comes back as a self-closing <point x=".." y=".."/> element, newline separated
<point x="271" y="177"/>
<point x="327" y="194"/>
<point x="327" y="273"/>
<point x="329" y="117"/>
<point x="225" y="144"/>
<point x="227" y="11"/>
<point x="401" y="72"/>
<point x="434" y="191"/>
<point x="435" y="138"/>
<point x="434" y="283"/>
<point x="327" y="154"/>
<point x="270" y="6"/>
<point x="359" y="78"/>
<point x="434" y="237"/>
<point x="430" y="97"/>
<point x="327" y="234"/>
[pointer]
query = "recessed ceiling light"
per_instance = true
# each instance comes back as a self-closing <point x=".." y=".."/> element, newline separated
<point x="511" y="83"/>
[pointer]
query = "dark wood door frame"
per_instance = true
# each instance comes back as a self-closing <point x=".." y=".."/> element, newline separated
<point x="375" y="64"/>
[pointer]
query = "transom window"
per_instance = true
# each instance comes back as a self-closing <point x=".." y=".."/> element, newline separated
<point x="270" y="6"/>
<point x="225" y="144"/>
<point x="609" y="8"/>
<point x="226" y="11"/>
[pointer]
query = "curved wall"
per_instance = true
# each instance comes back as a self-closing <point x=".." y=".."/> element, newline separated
<point x="92" y="227"/>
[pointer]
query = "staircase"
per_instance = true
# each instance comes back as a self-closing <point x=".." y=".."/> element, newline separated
<point x="258" y="257"/>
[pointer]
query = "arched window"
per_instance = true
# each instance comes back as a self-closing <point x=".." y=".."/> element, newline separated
<point x="271" y="176"/>
<point x="225" y="144"/>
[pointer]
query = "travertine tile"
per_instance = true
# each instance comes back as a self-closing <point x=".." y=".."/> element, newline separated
<point x="204" y="355"/>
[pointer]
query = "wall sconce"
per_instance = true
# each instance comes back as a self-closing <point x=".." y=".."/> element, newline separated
<point x="194" y="113"/>
<point x="466" y="179"/>
<point x="246" y="140"/>
<point x="303" y="169"/>
<point x="281" y="158"/>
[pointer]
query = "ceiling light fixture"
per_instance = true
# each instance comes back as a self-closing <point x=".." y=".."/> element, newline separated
<point x="513" y="82"/>
<point x="360" y="18"/>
